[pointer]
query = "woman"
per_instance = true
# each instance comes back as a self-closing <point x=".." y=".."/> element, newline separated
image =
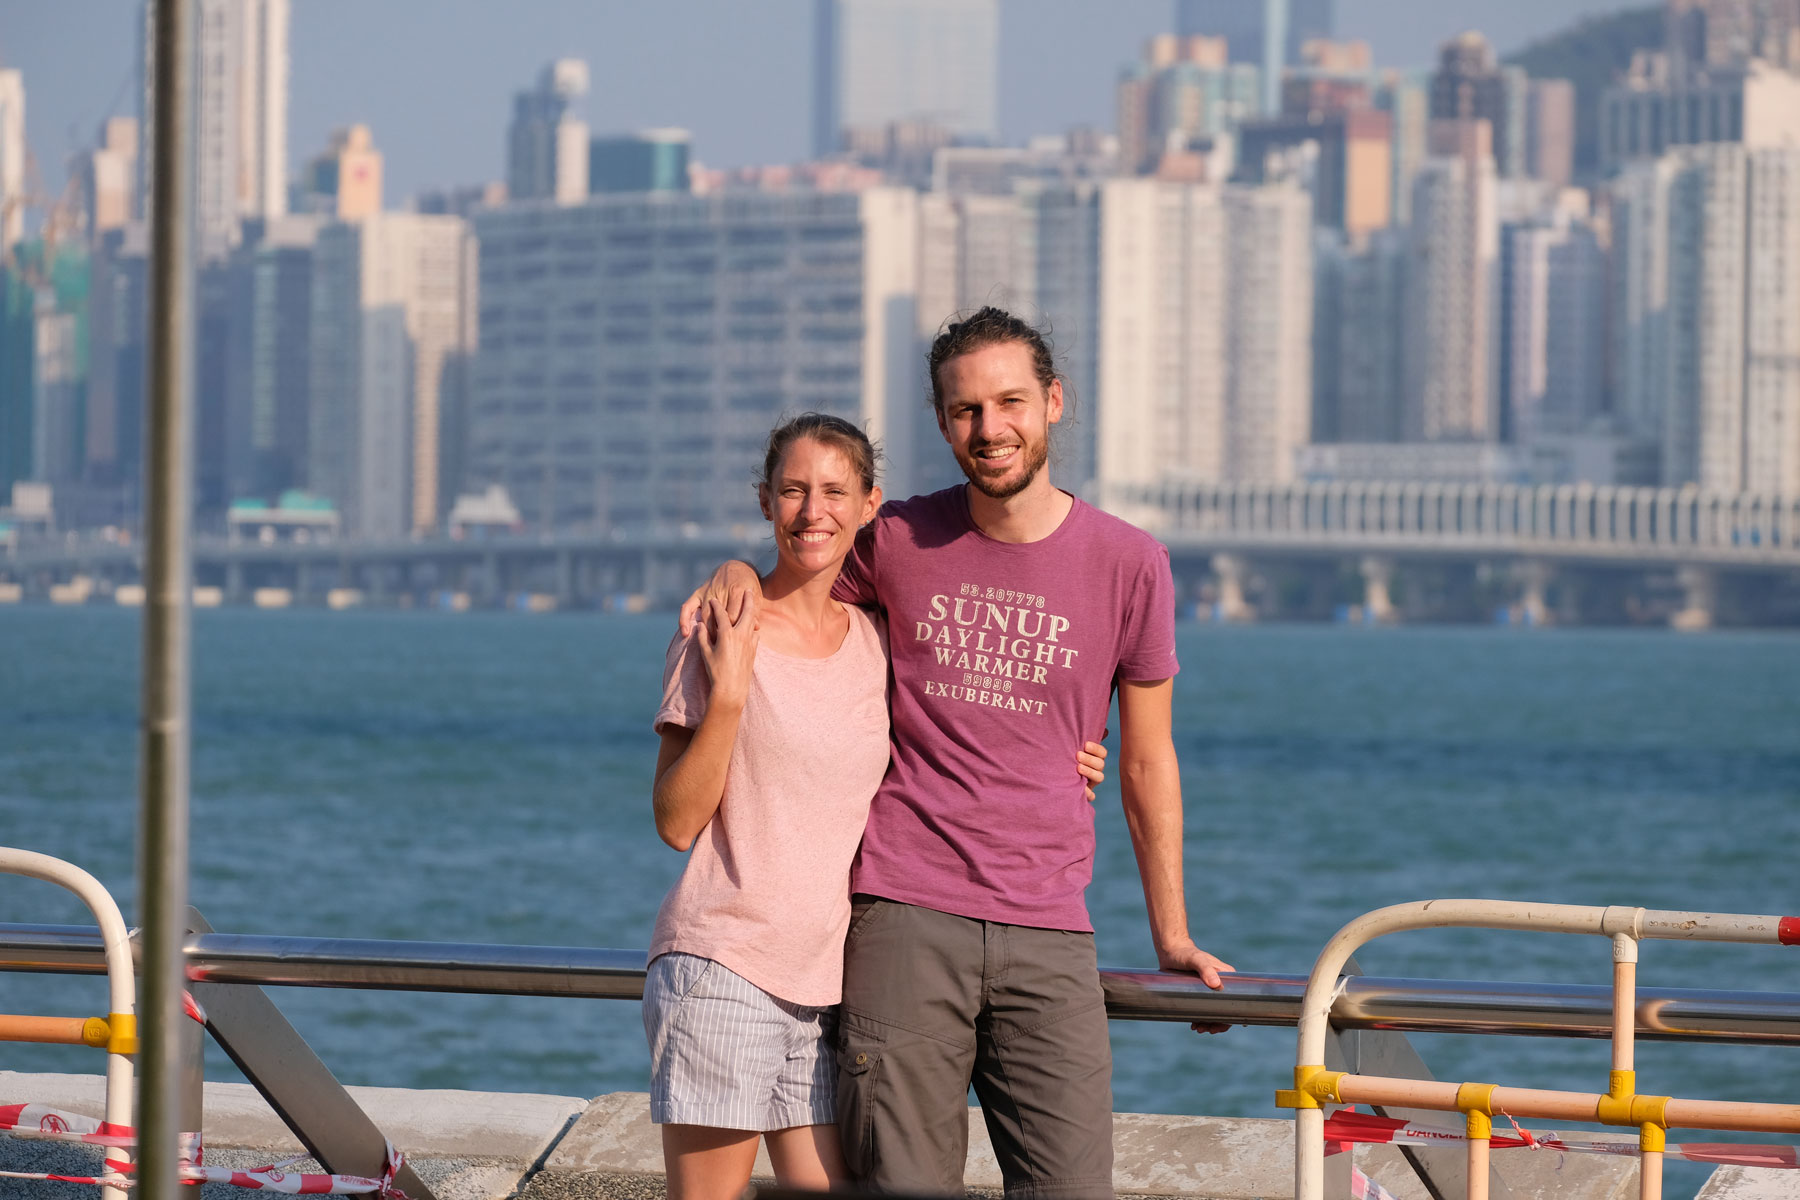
<point x="774" y="729"/>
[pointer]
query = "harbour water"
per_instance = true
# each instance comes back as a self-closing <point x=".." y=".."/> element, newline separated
<point x="485" y="778"/>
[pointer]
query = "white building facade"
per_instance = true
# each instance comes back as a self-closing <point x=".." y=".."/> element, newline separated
<point x="1706" y="313"/>
<point x="389" y="303"/>
<point x="241" y="115"/>
<point x="1205" y="333"/>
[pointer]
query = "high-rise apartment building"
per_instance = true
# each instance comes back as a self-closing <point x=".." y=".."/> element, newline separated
<point x="12" y="158"/>
<point x="1452" y="247"/>
<point x="1553" y="297"/>
<point x="1706" y="316"/>
<point x="1359" y="320"/>
<point x="118" y="329"/>
<point x="1756" y="105"/>
<point x="1470" y="84"/>
<point x="106" y="176"/>
<point x="1550" y="131"/>
<point x="880" y="63"/>
<point x="1707" y="35"/>
<point x="1407" y="102"/>
<point x="344" y="180"/>
<point x="1184" y="91"/>
<point x="1351" y="171"/>
<point x="547" y="143"/>
<point x="635" y="350"/>
<point x="280" y="357"/>
<point x="1205" y="333"/>
<point x="241" y="118"/>
<point x="388" y="325"/>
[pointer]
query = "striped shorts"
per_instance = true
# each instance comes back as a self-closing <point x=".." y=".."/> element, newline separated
<point x="726" y="1054"/>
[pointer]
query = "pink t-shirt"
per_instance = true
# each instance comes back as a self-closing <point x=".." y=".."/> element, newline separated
<point x="1005" y="657"/>
<point x="766" y="888"/>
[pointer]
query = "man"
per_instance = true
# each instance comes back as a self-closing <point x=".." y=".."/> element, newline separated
<point x="1014" y="610"/>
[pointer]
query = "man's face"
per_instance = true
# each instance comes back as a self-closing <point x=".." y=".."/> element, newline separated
<point x="997" y="417"/>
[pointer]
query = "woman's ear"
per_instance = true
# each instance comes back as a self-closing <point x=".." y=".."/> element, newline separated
<point x="762" y="501"/>
<point x="870" y="505"/>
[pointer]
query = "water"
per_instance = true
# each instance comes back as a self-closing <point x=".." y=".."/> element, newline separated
<point x="485" y="778"/>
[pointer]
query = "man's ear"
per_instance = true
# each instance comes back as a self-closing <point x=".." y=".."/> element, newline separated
<point x="1055" y="396"/>
<point x="938" y="411"/>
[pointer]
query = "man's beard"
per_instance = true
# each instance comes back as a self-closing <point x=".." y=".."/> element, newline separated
<point x="1037" y="455"/>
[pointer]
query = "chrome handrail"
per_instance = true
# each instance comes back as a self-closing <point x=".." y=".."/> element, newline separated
<point x="1363" y="1001"/>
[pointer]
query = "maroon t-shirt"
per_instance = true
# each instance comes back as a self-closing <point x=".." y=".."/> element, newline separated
<point x="1005" y="657"/>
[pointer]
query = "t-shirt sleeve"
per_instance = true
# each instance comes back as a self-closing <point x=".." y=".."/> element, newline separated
<point x="685" y="685"/>
<point x="1148" y="649"/>
<point x="856" y="582"/>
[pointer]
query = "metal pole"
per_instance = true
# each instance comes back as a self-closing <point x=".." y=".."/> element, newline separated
<point x="163" y="780"/>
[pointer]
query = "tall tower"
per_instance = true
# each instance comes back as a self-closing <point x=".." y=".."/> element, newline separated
<point x="1260" y="31"/>
<point x="878" y="63"/>
<point x="12" y="158"/>
<point x="547" y="144"/>
<point x="1452" y="253"/>
<point x="240" y="100"/>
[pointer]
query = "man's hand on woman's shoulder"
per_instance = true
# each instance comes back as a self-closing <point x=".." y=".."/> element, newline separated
<point x="728" y="578"/>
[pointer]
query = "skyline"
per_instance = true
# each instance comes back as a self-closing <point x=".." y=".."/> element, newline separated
<point x="446" y="126"/>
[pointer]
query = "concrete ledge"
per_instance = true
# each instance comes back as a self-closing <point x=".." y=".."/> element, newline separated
<point x="1750" y="1183"/>
<point x="488" y="1145"/>
<point x="465" y="1145"/>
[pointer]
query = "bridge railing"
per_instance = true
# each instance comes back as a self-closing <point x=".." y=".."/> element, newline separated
<point x="1572" y="516"/>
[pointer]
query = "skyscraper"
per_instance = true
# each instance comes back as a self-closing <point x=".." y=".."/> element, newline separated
<point x="1470" y="84"/>
<point x="878" y="63"/>
<point x="12" y="158"/>
<point x="241" y="119"/>
<point x="1205" y="333"/>
<point x="547" y="144"/>
<point x="1553" y="294"/>
<point x="1269" y="33"/>
<point x="107" y="176"/>
<point x="1451" y="281"/>
<point x="1244" y="22"/>
<point x="388" y="321"/>
<point x="634" y="352"/>
<point x="1706" y="332"/>
<point x="1184" y="90"/>
<point x="344" y="179"/>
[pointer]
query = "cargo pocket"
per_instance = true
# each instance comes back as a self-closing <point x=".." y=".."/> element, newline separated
<point x="859" y="1048"/>
<point x="863" y="913"/>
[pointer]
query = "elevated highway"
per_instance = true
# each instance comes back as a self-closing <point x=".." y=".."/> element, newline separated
<point x="1380" y="550"/>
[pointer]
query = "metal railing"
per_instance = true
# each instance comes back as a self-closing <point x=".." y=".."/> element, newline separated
<point x="1570" y="520"/>
<point x="1362" y="1002"/>
<point x="1620" y="1104"/>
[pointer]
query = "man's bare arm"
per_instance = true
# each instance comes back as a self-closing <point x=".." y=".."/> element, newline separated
<point x="1150" y="786"/>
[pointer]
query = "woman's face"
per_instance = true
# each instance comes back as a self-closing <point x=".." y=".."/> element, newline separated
<point x="816" y="502"/>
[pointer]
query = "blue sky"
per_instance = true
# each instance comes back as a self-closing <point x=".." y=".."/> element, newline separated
<point x="433" y="78"/>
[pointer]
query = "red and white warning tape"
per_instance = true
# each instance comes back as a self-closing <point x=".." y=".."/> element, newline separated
<point x="39" y="1122"/>
<point x="1347" y="1127"/>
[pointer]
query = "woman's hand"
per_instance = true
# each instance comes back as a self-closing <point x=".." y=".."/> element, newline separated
<point x="730" y="577"/>
<point x="728" y="641"/>
<point x="1090" y="764"/>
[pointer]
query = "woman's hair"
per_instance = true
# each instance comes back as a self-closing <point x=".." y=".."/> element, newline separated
<point x="827" y="430"/>
<point x="989" y="326"/>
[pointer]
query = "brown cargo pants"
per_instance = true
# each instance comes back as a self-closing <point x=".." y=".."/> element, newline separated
<point x="933" y="1003"/>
